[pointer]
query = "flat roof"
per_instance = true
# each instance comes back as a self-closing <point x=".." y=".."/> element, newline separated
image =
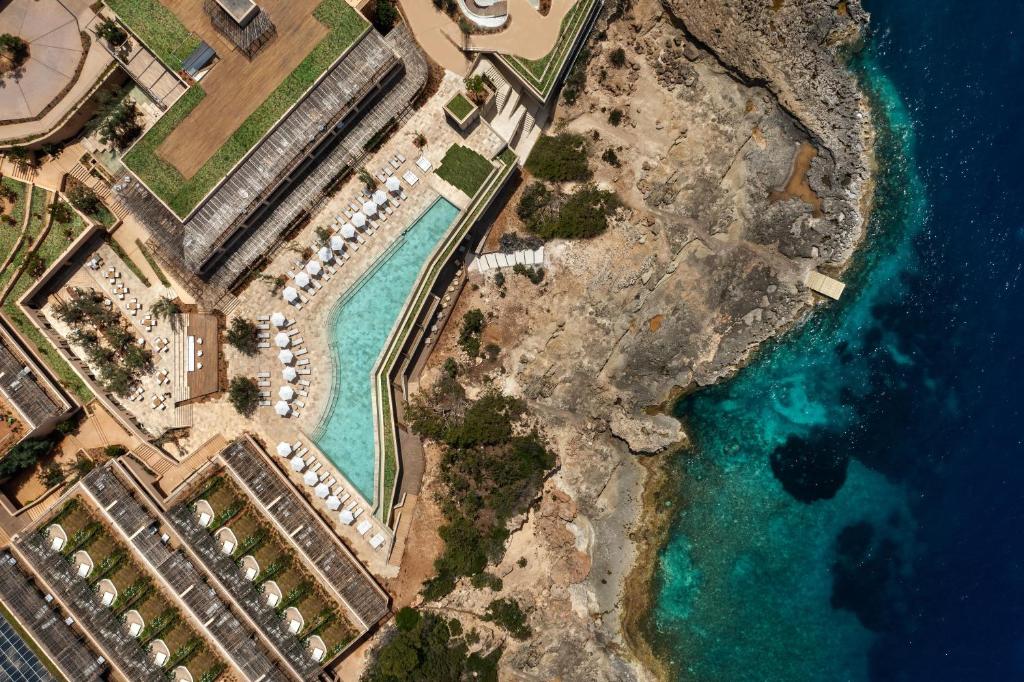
<point x="240" y="10"/>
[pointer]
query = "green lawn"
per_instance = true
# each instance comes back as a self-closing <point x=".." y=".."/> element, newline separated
<point x="17" y="211"/>
<point x="345" y="25"/>
<point x="464" y="168"/>
<point x="541" y="73"/>
<point x="35" y="225"/>
<point x="56" y="242"/>
<point x="158" y="28"/>
<point x="460" y="107"/>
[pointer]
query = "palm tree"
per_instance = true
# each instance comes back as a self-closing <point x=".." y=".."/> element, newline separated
<point x="165" y="308"/>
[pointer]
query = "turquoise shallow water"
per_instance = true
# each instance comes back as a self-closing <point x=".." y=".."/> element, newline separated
<point x="360" y="327"/>
<point x="851" y="508"/>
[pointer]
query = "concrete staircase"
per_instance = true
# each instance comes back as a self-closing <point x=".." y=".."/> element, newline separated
<point x="82" y="174"/>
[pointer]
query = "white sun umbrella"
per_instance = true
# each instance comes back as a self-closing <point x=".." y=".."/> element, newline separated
<point x="333" y="502"/>
<point x="346" y="517"/>
<point x="289" y="374"/>
<point x="393" y="184"/>
<point x="282" y="340"/>
<point x="369" y="208"/>
<point x="282" y="408"/>
<point x="313" y="267"/>
<point x="278" y="320"/>
<point x="380" y="198"/>
<point x="286" y="392"/>
<point x="325" y="255"/>
<point x="284" y="449"/>
<point x="337" y="243"/>
<point x="298" y="464"/>
<point x="302" y="279"/>
<point x="286" y="356"/>
<point x="310" y="478"/>
<point x="322" y="491"/>
<point x="290" y="294"/>
<point x="358" y="220"/>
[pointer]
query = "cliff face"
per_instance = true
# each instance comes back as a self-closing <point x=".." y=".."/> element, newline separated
<point x="742" y="160"/>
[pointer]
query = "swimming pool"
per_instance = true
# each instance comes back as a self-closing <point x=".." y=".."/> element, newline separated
<point x="360" y="327"/>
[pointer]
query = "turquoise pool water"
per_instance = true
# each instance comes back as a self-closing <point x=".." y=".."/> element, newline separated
<point x="360" y="327"/>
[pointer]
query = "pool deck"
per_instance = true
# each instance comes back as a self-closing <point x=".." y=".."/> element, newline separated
<point x="313" y="321"/>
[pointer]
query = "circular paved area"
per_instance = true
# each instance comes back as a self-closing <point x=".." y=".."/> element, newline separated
<point x="55" y="52"/>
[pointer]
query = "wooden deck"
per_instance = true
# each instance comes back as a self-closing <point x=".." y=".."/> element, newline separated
<point x="824" y="285"/>
<point x="203" y="380"/>
<point x="236" y="86"/>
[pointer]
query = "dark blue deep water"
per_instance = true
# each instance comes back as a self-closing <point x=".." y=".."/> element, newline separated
<point x="853" y="507"/>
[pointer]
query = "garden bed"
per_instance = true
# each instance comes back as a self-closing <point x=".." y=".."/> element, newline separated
<point x="464" y="168"/>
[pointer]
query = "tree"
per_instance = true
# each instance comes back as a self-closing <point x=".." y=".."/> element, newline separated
<point x="112" y="32"/>
<point x="60" y="212"/>
<point x="244" y="395"/>
<point x="118" y="122"/>
<point x="561" y="158"/>
<point x="618" y="57"/>
<point x="23" y="455"/>
<point x="476" y="89"/>
<point x="419" y="139"/>
<point x="84" y="199"/>
<point x="508" y="614"/>
<point x="164" y="308"/>
<point x="385" y="15"/>
<point x="13" y="53"/>
<point x="615" y="117"/>
<point x="243" y="336"/>
<point x="115" y="450"/>
<point x="52" y="474"/>
<point x="472" y="326"/>
<point x="367" y="179"/>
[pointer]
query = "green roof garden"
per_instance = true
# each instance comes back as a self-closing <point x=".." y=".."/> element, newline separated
<point x="182" y="195"/>
<point x="460" y="107"/>
<point x="541" y="74"/>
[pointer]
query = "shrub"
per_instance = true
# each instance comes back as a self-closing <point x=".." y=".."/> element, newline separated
<point x="60" y="212"/>
<point x="24" y="455"/>
<point x="244" y="394"/>
<point x="243" y="336"/>
<point x="533" y="202"/>
<point x="472" y="327"/>
<point x="475" y="89"/>
<point x="582" y="216"/>
<point x="559" y="159"/>
<point x="407" y="618"/>
<point x="615" y="117"/>
<point x="119" y="123"/>
<point x="508" y="614"/>
<point x="617" y="57"/>
<point x="385" y="15"/>
<point x="115" y="450"/>
<point x="112" y="32"/>
<point x="432" y="648"/>
<point x="52" y="474"/>
<point x="611" y="158"/>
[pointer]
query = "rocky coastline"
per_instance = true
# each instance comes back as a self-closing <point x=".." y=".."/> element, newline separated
<point x="742" y="154"/>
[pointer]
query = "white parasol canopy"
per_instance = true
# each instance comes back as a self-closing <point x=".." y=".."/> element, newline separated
<point x="278" y="320"/>
<point x="393" y="184"/>
<point x="337" y="243"/>
<point x="282" y="408"/>
<point x="284" y="449"/>
<point x="286" y="356"/>
<point x="348" y="231"/>
<point x="309" y="478"/>
<point x="298" y="464"/>
<point x="302" y="279"/>
<point x="369" y="208"/>
<point x="325" y="255"/>
<point x="289" y="374"/>
<point x="286" y="392"/>
<point x="282" y="340"/>
<point x="380" y="198"/>
<point x="322" y="491"/>
<point x="313" y="267"/>
<point x="358" y="220"/>
<point x="290" y="294"/>
<point x="346" y="517"/>
<point x="333" y="502"/>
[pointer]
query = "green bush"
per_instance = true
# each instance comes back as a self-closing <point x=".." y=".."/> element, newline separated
<point x="472" y="327"/>
<point x="24" y="455"/>
<point x="617" y="57"/>
<point x="243" y="336"/>
<point x="244" y="394"/>
<point x="464" y="168"/>
<point x="508" y="614"/>
<point x="561" y="158"/>
<point x="615" y="117"/>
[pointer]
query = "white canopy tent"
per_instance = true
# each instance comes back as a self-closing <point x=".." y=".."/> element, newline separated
<point x="286" y="392"/>
<point x="313" y="267"/>
<point x="278" y="320"/>
<point x="369" y="208"/>
<point x="337" y="243"/>
<point x="333" y="502"/>
<point x="346" y="517"/>
<point x="284" y="449"/>
<point x="325" y="255"/>
<point x="282" y="340"/>
<point x="282" y="408"/>
<point x="286" y="356"/>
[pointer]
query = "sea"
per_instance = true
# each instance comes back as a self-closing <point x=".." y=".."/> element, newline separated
<point x="853" y="504"/>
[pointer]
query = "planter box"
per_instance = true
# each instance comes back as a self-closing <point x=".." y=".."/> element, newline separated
<point x="461" y="112"/>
